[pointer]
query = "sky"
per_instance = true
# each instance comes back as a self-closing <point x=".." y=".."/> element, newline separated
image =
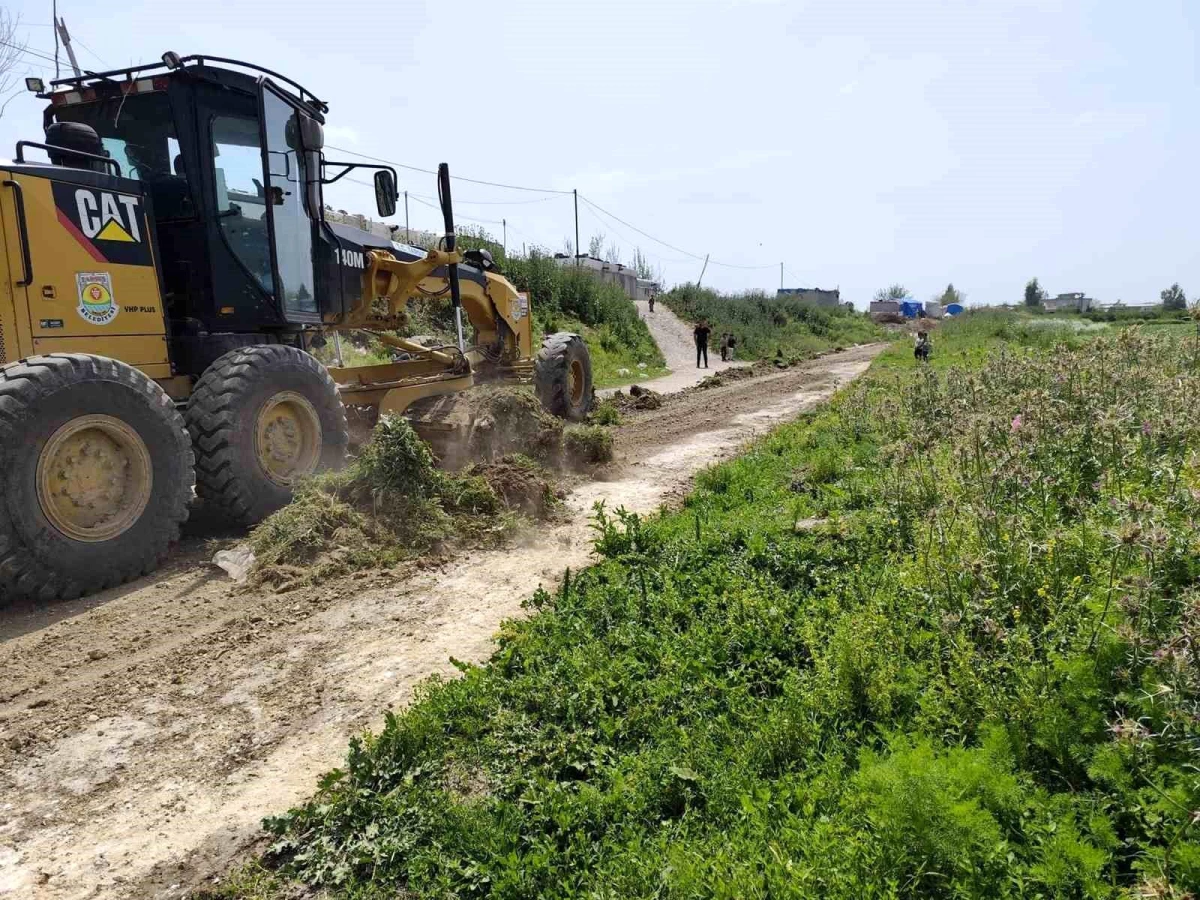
<point x="859" y="142"/>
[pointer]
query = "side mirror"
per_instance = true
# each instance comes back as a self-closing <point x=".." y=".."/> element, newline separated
<point x="312" y="135"/>
<point x="385" y="193"/>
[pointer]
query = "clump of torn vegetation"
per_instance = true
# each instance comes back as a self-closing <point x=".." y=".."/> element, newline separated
<point x="588" y="445"/>
<point x="391" y="504"/>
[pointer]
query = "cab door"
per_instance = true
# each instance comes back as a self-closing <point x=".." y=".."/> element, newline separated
<point x="14" y="289"/>
<point x="290" y="224"/>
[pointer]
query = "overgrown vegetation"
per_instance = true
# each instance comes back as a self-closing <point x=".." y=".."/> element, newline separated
<point x="939" y="639"/>
<point x="766" y="325"/>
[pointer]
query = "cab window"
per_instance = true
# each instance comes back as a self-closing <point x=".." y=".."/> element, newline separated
<point x="138" y="131"/>
<point x="241" y="198"/>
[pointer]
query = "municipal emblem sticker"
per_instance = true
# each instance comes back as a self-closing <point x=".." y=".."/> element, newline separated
<point x="96" y="303"/>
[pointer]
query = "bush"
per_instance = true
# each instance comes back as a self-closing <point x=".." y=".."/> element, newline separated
<point x="765" y="325"/>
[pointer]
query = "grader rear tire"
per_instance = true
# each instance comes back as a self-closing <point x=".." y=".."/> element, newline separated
<point x="261" y="419"/>
<point x="563" y="376"/>
<point x="96" y="476"/>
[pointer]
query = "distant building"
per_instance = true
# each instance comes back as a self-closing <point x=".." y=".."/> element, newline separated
<point x="1074" y="302"/>
<point x="933" y="309"/>
<point x="813" y="295"/>
<point x="621" y="275"/>
<point x="1122" y="306"/>
<point x="647" y="289"/>
<point x="885" y="308"/>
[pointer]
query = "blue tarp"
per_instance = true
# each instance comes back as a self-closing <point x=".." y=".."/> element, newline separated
<point x="954" y="309"/>
<point x="910" y="309"/>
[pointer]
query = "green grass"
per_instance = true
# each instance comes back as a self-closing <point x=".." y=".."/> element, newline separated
<point x="938" y="639"/>
<point x="766" y="325"/>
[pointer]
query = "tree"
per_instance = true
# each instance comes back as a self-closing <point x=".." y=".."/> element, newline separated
<point x="1034" y="295"/>
<point x="951" y="295"/>
<point x="895" y="292"/>
<point x="1174" y="298"/>
<point x="596" y="246"/>
<point x="12" y="51"/>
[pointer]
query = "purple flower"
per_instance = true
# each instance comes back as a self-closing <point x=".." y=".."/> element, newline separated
<point x="1146" y="428"/>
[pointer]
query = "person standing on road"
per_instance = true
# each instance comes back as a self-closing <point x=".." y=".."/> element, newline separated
<point x="650" y="300"/>
<point x="725" y="347"/>
<point x="701" y="333"/>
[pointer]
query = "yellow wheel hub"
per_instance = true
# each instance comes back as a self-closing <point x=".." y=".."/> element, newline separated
<point x="575" y="382"/>
<point x="94" y="478"/>
<point x="288" y="437"/>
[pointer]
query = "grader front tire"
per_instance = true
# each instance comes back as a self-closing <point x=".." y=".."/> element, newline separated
<point x="563" y="376"/>
<point x="262" y="418"/>
<point x="96" y="475"/>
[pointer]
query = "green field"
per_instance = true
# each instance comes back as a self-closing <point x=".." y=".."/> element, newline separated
<point x="938" y="639"/>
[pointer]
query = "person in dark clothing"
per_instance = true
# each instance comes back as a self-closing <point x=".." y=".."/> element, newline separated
<point x="732" y="344"/>
<point x="650" y="300"/>
<point x="725" y="347"/>
<point x="923" y="347"/>
<point x="701" y="333"/>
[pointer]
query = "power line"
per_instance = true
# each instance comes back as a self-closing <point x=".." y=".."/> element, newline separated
<point x="95" y="55"/>
<point x="510" y="187"/>
<point x="625" y="236"/>
<point x="638" y="230"/>
<point x="695" y="256"/>
<point x="40" y="54"/>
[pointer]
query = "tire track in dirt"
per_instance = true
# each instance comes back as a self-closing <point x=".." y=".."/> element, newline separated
<point x="144" y="736"/>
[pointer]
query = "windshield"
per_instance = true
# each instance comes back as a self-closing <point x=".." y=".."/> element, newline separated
<point x="137" y="130"/>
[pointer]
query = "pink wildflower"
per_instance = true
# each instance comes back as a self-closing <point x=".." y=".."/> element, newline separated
<point x="1017" y="422"/>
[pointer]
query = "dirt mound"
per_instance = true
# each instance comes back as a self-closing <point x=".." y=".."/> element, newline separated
<point x="638" y="398"/>
<point x="487" y="423"/>
<point x="728" y="376"/>
<point x="519" y="482"/>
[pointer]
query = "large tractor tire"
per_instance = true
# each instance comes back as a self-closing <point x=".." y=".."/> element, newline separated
<point x="563" y="376"/>
<point x="261" y="419"/>
<point x="96" y="475"/>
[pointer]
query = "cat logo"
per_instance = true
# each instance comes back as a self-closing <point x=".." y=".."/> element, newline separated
<point x="111" y="226"/>
<point x="100" y="215"/>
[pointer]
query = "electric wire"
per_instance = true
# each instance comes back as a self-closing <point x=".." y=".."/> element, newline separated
<point x="511" y="187"/>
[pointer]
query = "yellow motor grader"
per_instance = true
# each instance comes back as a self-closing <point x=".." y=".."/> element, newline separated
<point x="165" y="274"/>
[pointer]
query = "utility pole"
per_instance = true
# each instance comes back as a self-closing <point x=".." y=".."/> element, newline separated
<point x="407" y="236"/>
<point x="576" y="193"/>
<point x="702" y="271"/>
<point x="60" y="27"/>
<point x="781" y="276"/>
<point x="504" y="222"/>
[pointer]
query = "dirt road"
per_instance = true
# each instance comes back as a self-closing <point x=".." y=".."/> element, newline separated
<point x="145" y="732"/>
<point x="674" y="338"/>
